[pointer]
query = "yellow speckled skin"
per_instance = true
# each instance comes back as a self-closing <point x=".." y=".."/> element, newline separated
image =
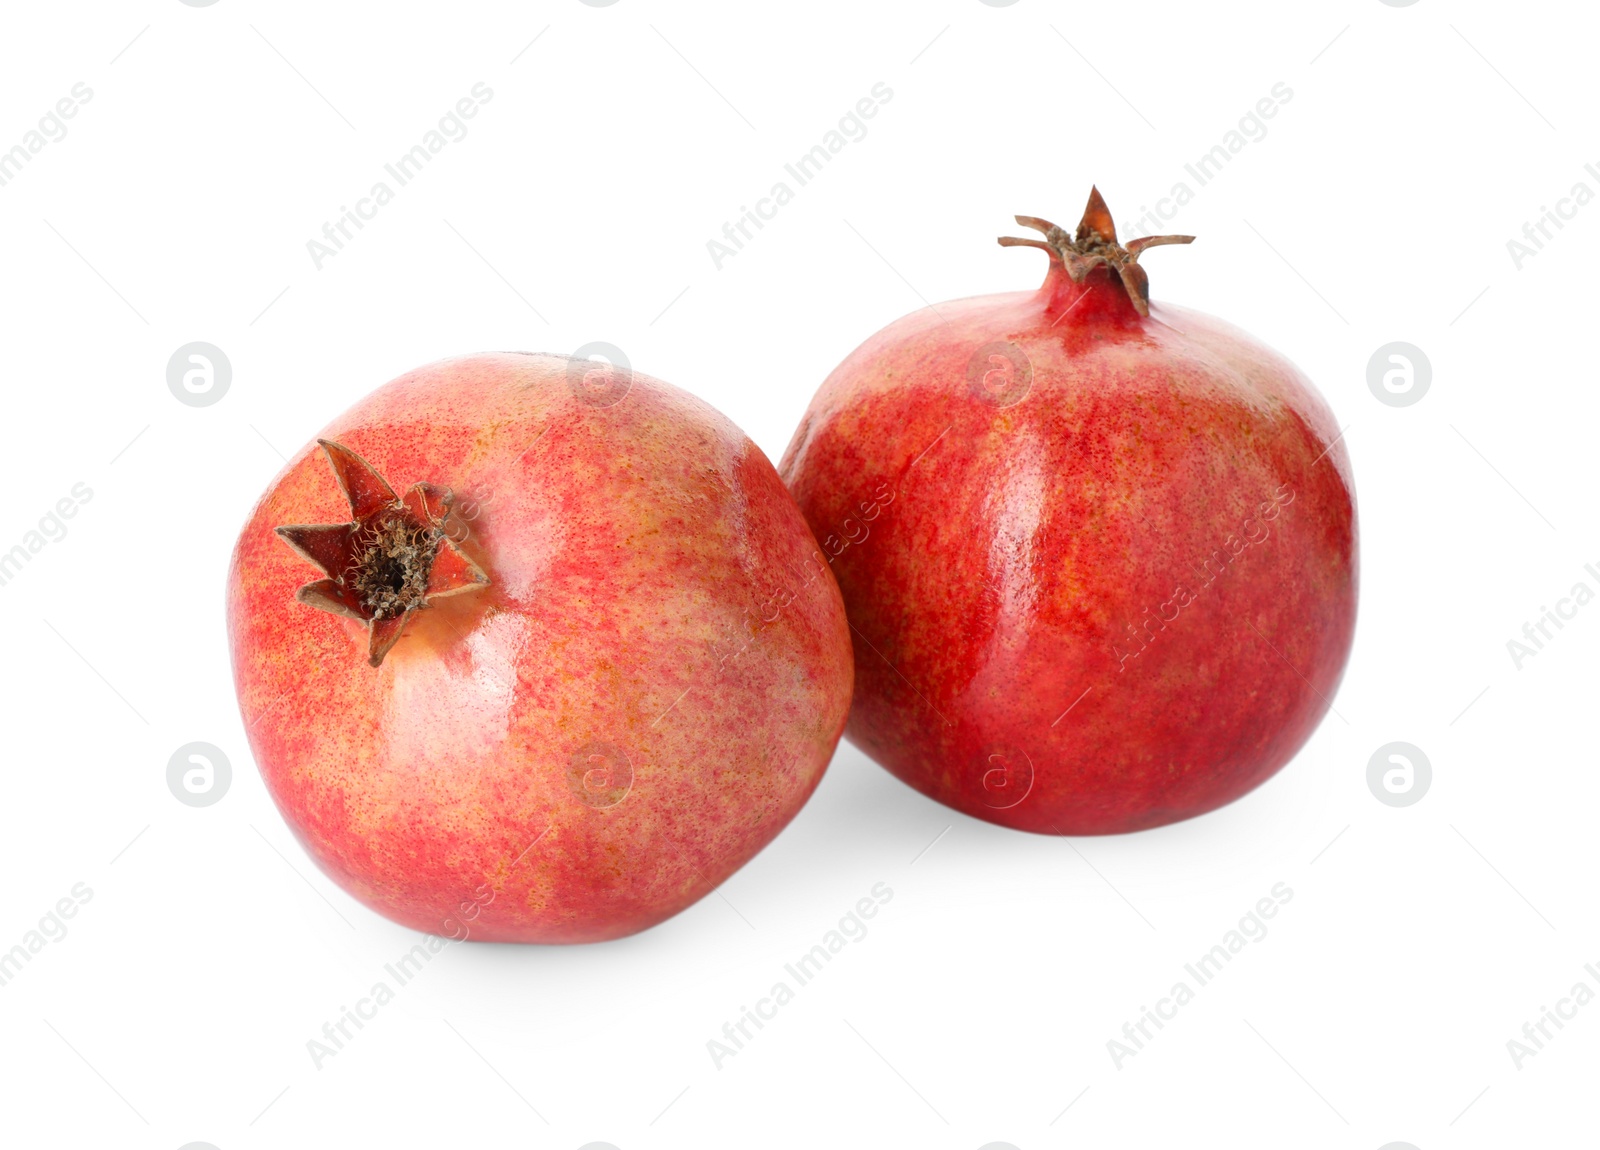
<point x="646" y="693"/>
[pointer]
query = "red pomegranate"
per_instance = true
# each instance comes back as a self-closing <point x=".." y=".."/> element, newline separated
<point x="1099" y="556"/>
<point x="570" y="671"/>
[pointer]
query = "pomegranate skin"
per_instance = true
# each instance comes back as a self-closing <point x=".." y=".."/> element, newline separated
<point x="645" y="693"/>
<point x="1100" y="566"/>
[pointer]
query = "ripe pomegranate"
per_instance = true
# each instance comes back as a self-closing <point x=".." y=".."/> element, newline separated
<point x="579" y="672"/>
<point x="1099" y="555"/>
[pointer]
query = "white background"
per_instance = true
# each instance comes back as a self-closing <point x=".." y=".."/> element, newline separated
<point x="218" y="140"/>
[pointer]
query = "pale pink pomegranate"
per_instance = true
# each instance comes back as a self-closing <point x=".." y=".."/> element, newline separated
<point x="529" y="649"/>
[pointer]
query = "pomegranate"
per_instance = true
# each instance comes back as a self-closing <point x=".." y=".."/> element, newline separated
<point x="1099" y="555"/>
<point x="580" y="671"/>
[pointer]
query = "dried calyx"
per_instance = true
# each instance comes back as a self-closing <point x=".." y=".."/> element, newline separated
<point x="1095" y="244"/>
<point x="394" y="557"/>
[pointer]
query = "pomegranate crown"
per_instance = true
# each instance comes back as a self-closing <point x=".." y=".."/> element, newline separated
<point x="1095" y="244"/>
<point x="394" y="556"/>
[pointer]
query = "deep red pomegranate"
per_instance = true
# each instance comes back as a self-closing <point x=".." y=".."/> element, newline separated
<point x="532" y="649"/>
<point x="1099" y="555"/>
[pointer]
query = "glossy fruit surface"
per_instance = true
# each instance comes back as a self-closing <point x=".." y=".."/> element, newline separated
<point x="1099" y="555"/>
<point x="530" y="649"/>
